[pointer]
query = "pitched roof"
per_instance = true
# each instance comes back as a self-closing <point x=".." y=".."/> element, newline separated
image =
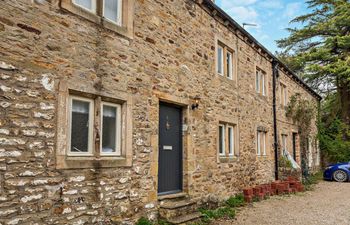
<point x="216" y="11"/>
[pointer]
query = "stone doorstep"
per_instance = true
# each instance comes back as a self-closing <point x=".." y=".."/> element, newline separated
<point x="172" y="196"/>
<point x="186" y="218"/>
<point x="177" y="204"/>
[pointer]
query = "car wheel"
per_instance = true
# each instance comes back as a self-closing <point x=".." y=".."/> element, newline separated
<point x="340" y="176"/>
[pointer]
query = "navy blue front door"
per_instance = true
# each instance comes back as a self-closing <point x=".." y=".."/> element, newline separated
<point x="170" y="150"/>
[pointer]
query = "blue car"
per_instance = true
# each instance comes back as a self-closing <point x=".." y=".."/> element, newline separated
<point x="339" y="172"/>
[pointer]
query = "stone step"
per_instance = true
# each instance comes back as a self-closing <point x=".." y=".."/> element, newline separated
<point x="176" y="204"/>
<point x="180" y="195"/>
<point x="186" y="218"/>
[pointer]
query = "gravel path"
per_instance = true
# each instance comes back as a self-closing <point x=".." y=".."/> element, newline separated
<point x="329" y="204"/>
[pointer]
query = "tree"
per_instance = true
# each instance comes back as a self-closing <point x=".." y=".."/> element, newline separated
<point x="321" y="50"/>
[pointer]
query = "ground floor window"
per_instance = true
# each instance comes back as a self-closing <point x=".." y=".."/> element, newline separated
<point x="261" y="143"/>
<point x="228" y="140"/>
<point x="83" y="122"/>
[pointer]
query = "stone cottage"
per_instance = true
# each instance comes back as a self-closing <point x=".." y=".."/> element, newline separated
<point x="110" y="108"/>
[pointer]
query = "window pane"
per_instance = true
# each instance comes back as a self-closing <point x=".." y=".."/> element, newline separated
<point x="258" y="144"/>
<point x="109" y="132"/>
<point x="264" y="143"/>
<point x="80" y="126"/>
<point x="220" y="59"/>
<point x="230" y="140"/>
<point x="257" y="81"/>
<point x="111" y="10"/>
<point x="263" y="83"/>
<point x="84" y="3"/>
<point x="229" y="64"/>
<point x="221" y="140"/>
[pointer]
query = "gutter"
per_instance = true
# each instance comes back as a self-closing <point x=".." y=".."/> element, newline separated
<point x="228" y="21"/>
<point x="275" y="133"/>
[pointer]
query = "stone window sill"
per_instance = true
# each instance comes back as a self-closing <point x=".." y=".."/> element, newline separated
<point x="225" y="79"/>
<point x="79" y="162"/>
<point x="230" y="159"/>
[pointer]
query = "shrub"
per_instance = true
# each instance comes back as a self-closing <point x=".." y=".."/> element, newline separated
<point x="144" y="221"/>
<point x="235" y="201"/>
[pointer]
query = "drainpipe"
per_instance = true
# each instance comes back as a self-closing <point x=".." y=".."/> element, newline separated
<point x="275" y="134"/>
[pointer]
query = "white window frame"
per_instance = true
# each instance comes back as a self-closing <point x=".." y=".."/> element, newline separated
<point x="93" y="6"/>
<point x="230" y="65"/>
<point x="119" y="16"/>
<point x="91" y="125"/>
<point x="118" y="130"/>
<point x="231" y="139"/>
<point x="222" y="67"/>
<point x="223" y="140"/>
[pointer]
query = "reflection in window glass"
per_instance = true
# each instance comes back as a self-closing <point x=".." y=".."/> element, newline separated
<point x="220" y="60"/>
<point x="80" y="126"/>
<point x="221" y="140"/>
<point x="84" y="3"/>
<point x="112" y="10"/>
<point x="109" y="131"/>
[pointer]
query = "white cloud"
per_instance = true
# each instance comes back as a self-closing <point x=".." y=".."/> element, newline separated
<point x="227" y="4"/>
<point x="271" y="4"/>
<point x="243" y="14"/>
<point x="292" y="9"/>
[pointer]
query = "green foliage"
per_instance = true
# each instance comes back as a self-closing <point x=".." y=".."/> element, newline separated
<point x="319" y="51"/>
<point x="310" y="181"/>
<point x="333" y="146"/>
<point x="235" y="201"/>
<point x="144" y="221"/>
<point x="284" y="162"/>
<point x="209" y="214"/>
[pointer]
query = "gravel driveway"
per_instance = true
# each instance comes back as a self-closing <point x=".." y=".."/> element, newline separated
<point x="329" y="204"/>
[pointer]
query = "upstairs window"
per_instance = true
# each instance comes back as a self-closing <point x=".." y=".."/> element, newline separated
<point x="111" y="9"/>
<point x="283" y="94"/>
<point x="115" y="15"/>
<point x="220" y="60"/>
<point x="260" y="82"/>
<point x="225" y="61"/>
<point x="284" y="142"/>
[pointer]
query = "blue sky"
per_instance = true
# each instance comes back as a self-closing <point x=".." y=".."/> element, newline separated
<point x="271" y="16"/>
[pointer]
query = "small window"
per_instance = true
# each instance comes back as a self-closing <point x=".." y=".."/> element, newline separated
<point x="89" y="5"/>
<point x="81" y="126"/>
<point x="110" y="129"/>
<point x="261" y="143"/>
<point x="112" y="10"/>
<point x="220" y="62"/>
<point x="260" y="82"/>
<point x="284" y="142"/>
<point x="263" y="84"/>
<point x="257" y="81"/>
<point x="225" y="61"/>
<point x="283" y="94"/>
<point x="221" y="139"/>
<point x="231" y="146"/>
<point x="229" y="66"/>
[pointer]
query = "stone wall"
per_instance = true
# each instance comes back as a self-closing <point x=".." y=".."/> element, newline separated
<point x="170" y="58"/>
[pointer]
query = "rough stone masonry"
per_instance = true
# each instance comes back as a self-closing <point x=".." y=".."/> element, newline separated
<point x="48" y="52"/>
